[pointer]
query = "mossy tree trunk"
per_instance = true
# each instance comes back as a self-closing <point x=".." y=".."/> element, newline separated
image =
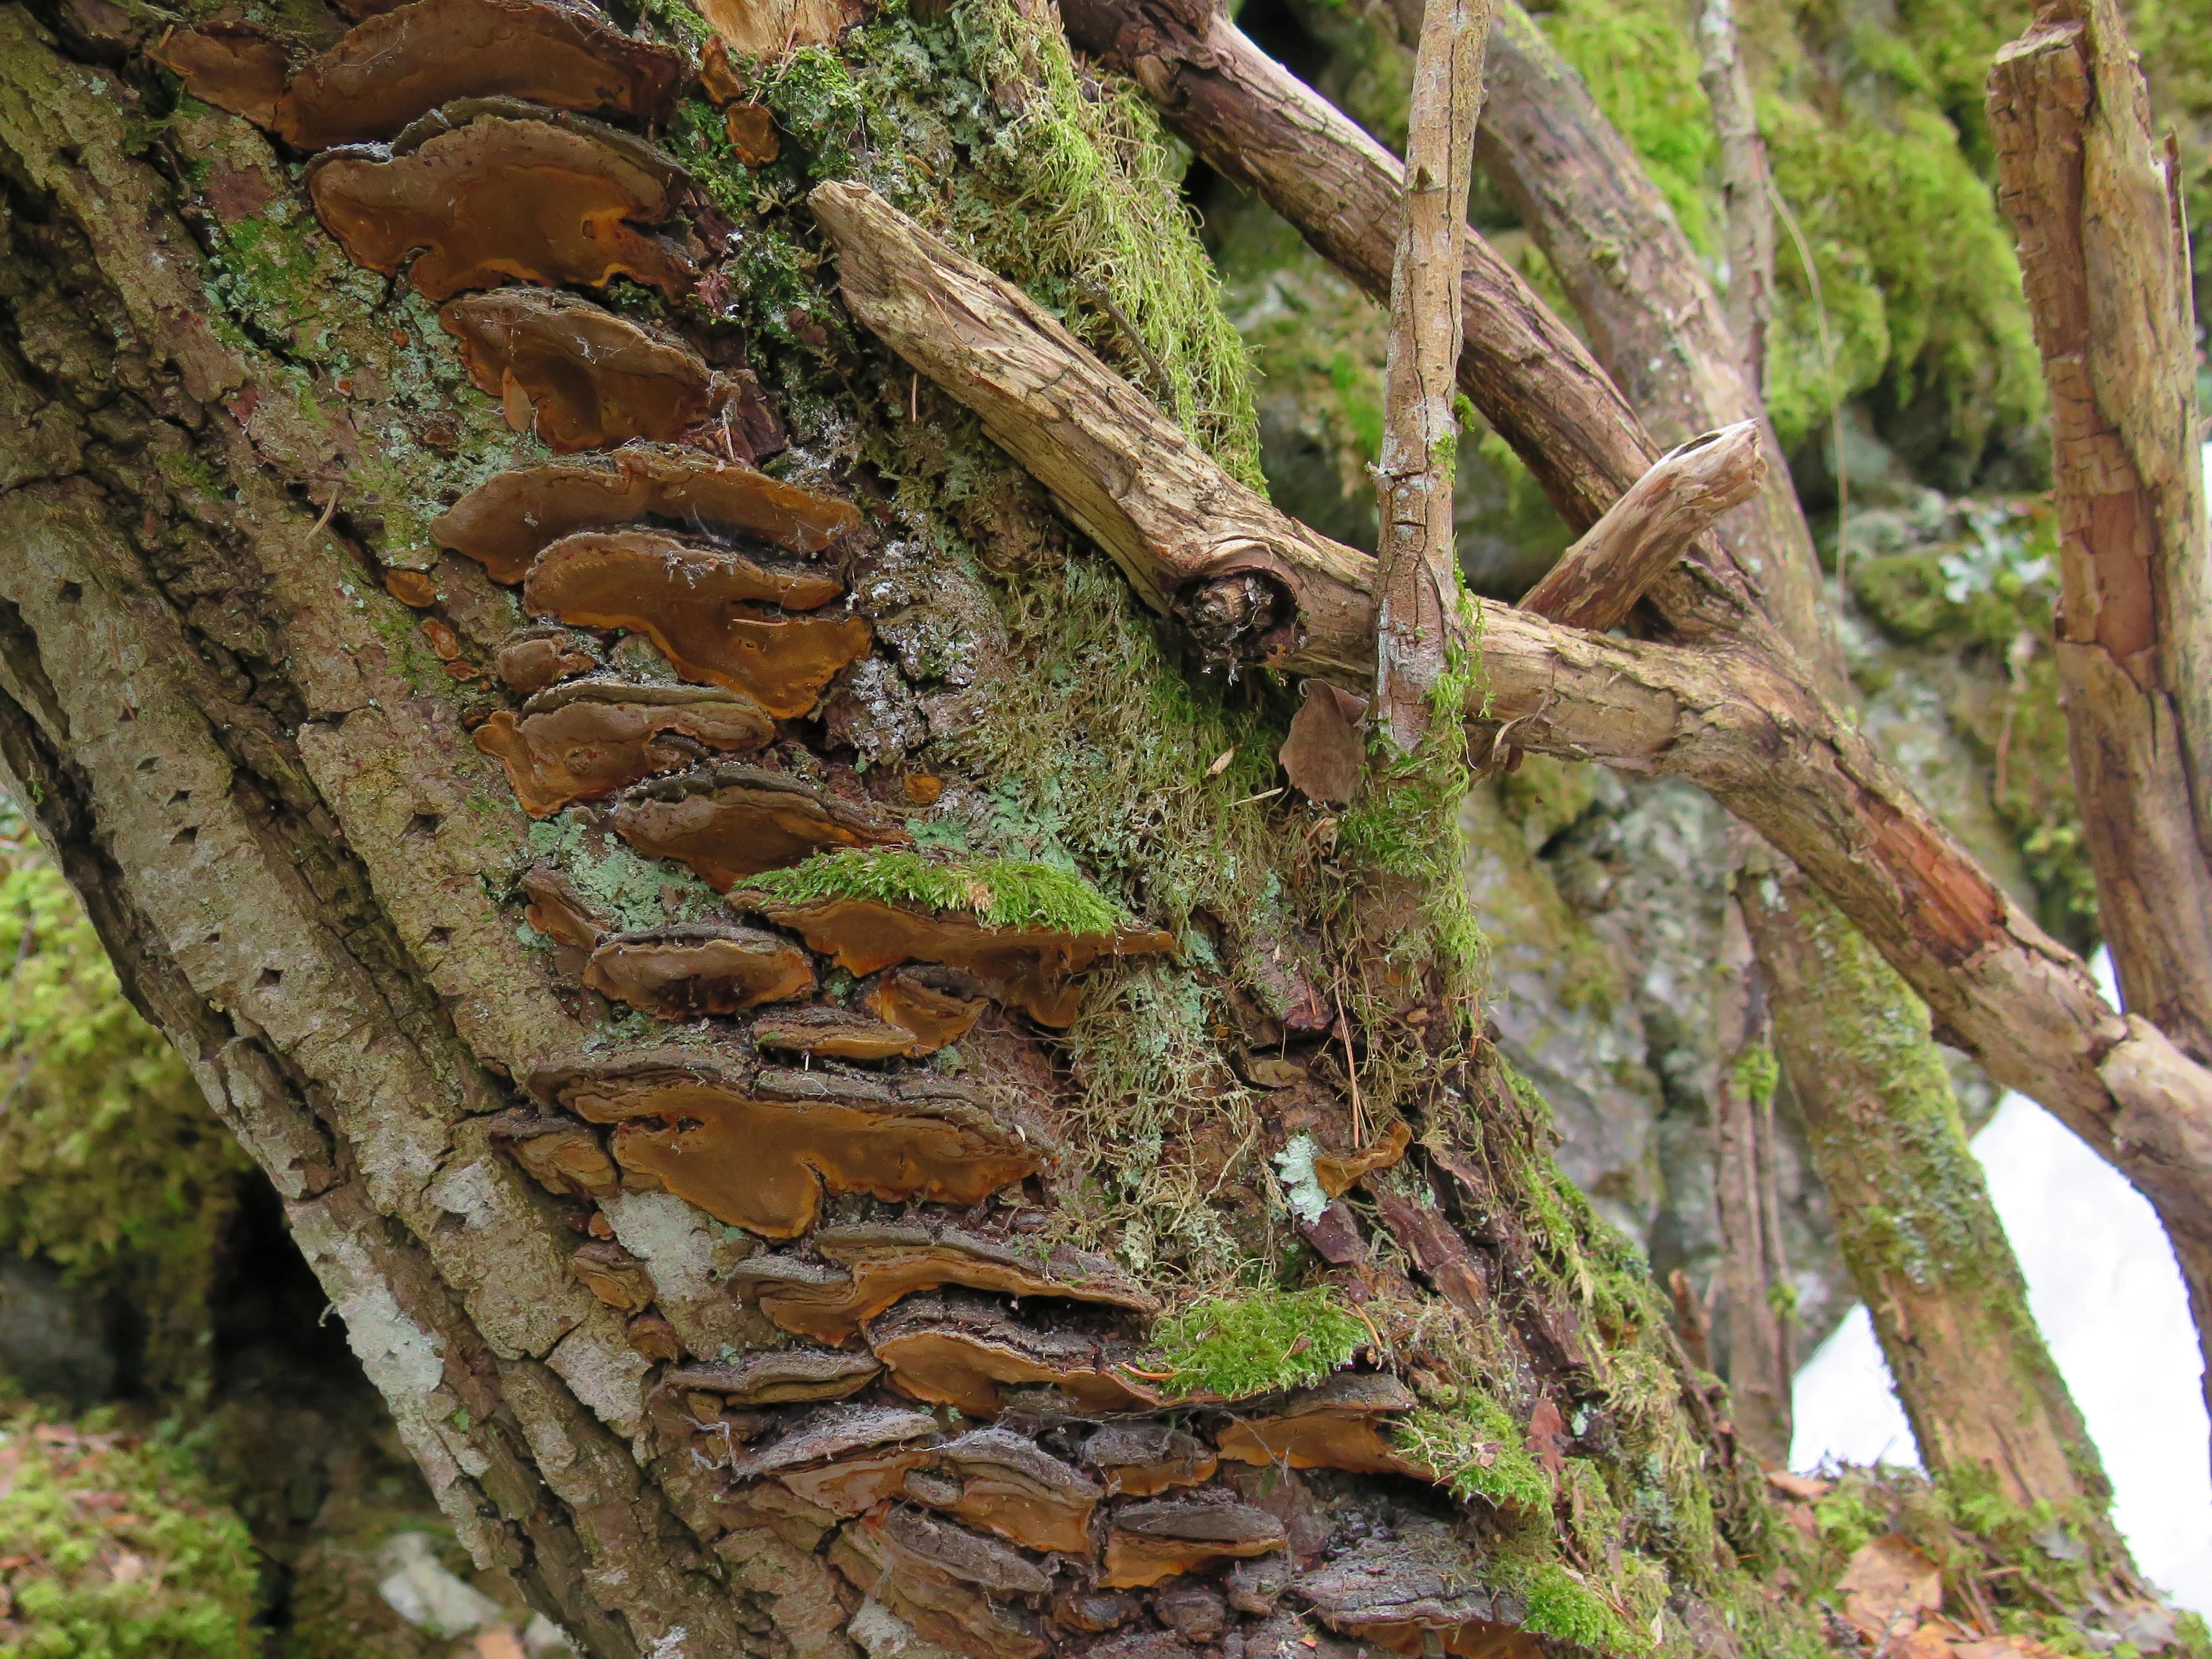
<point x="1223" y="1295"/>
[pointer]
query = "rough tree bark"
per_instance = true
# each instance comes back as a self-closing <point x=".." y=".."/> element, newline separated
<point x="712" y="1305"/>
<point x="2106" y="266"/>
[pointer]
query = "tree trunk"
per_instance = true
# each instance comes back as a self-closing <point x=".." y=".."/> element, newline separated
<point x="825" y="1088"/>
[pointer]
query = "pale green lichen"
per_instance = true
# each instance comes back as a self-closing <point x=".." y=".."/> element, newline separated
<point x="1302" y="1188"/>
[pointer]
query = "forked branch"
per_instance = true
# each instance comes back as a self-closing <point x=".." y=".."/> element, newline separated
<point x="1739" y="719"/>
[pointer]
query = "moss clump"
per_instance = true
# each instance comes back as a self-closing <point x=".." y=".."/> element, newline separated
<point x="996" y="892"/>
<point x="1257" y="1342"/>
<point x="111" y="1165"/>
<point x="978" y="122"/>
<point x="1562" y="1606"/>
<point x="1476" y="1450"/>
<point x="114" y="1549"/>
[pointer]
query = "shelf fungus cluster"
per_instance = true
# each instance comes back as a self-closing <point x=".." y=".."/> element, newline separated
<point x="823" y="1048"/>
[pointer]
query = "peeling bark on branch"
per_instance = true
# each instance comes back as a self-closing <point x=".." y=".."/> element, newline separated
<point x="1419" y="581"/>
<point x="2107" y="277"/>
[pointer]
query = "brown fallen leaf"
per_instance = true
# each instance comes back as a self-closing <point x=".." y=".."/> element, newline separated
<point x="1546" y="1430"/>
<point x="1930" y="1641"/>
<point x="500" y="1642"/>
<point x="1805" y="1488"/>
<point x="1889" y="1584"/>
<point x="1324" y="754"/>
<point x="1221" y="762"/>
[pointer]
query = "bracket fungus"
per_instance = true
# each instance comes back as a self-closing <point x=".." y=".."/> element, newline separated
<point x="961" y="1350"/>
<point x="1419" y="1593"/>
<point x="946" y="1582"/>
<point x="584" y="739"/>
<point x="885" y="1261"/>
<point x="614" y="1275"/>
<point x="530" y="659"/>
<point x="692" y="969"/>
<point x="1337" y="1426"/>
<point x="497" y="197"/>
<point x="733" y="821"/>
<point x="703" y="606"/>
<point x="577" y="375"/>
<point x="780" y="1376"/>
<point x="833" y="1033"/>
<point x="507" y="521"/>
<point x="834" y="1433"/>
<point x="557" y="910"/>
<point x="1142" y="1459"/>
<point x="234" y="66"/>
<point x="1147" y="1542"/>
<point x="758" y="1153"/>
<point x="989" y="1478"/>
<point x="935" y="1006"/>
<point x="561" y="1155"/>
<point x="388" y="70"/>
<point x="1027" y="967"/>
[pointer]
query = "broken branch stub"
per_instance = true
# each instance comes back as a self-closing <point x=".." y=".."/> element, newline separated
<point x="758" y="1153"/>
<point x="1416" y="580"/>
<point x="1649" y="529"/>
<point x="506" y="522"/>
<point x="499" y="198"/>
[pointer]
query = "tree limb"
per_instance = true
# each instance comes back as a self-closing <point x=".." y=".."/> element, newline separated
<point x="1264" y="130"/>
<point x="1644" y="534"/>
<point x="1738" y="720"/>
<point x="1418" y="585"/>
<point x="2107" y="280"/>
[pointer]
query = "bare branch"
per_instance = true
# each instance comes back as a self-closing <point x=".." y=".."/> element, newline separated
<point x="1264" y="130"/>
<point x="1747" y="207"/>
<point x="2107" y="280"/>
<point x="1418" y="586"/>
<point x="1645" y="533"/>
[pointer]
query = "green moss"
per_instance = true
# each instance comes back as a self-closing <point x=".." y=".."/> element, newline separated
<point x="1563" y="1607"/>
<point x="1257" y="1342"/>
<point x="998" y="892"/>
<point x="111" y="1164"/>
<point x="978" y="122"/>
<point x="1756" y="1073"/>
<point x="115" y="1549"/>
<point x="1476" y="1450"/>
